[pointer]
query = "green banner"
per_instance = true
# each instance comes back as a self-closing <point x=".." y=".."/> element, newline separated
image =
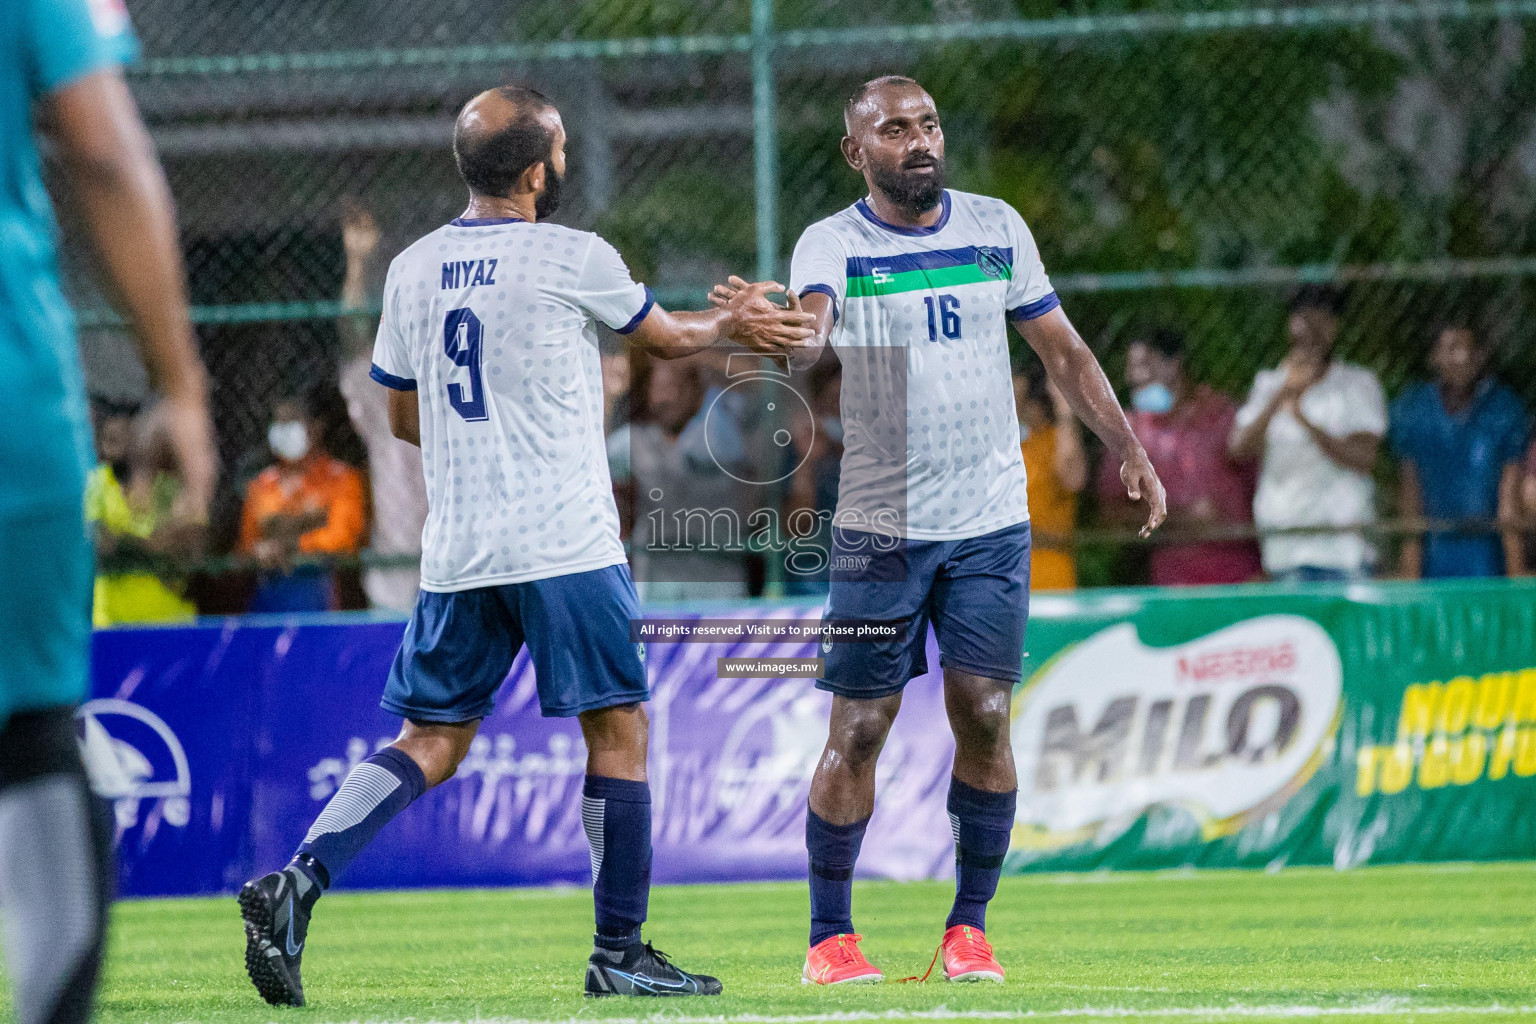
<point x="1263" y="727"/>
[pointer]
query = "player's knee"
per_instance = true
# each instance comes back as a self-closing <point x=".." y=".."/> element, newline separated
<point x="438" y="761"/>
<point x="982" y="730"/>
<point x="437" y="750"/>
<point x="617" y="741"/>
<point x="620" y="729"/>
<point x="859" y="734"/>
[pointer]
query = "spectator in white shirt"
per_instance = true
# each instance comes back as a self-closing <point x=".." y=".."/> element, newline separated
<point x="1314" y="425"/>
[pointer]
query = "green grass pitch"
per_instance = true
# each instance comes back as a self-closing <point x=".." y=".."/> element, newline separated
<point x="1442" y="943"/>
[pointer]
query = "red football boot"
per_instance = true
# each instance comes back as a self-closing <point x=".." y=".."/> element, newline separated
<point x="968" y="956"/>
<point x="837" y="961"/>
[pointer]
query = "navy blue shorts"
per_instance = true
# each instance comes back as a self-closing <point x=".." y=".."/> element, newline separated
<point x="458" y="647"/>
<point x="975" y="592"/>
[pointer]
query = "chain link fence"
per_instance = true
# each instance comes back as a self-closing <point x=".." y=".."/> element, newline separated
<point x="1182" y="167"/>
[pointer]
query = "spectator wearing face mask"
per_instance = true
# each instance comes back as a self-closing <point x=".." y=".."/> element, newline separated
<point x="1461" y="438"/>
<point x="1184" y="427"/>
<point x="1313" y="425"/>
<point x="305" y="503"/>
<point x="1056" y="470"/>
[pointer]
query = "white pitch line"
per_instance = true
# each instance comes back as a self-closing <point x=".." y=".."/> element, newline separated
<point x="1383" y="1008"/>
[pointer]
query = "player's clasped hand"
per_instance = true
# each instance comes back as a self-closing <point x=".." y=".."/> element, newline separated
<point x="1141" y="481"/>
<point x="759" y="323"/>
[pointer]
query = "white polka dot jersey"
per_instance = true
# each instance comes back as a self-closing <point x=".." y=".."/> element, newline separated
<point x="492" y="323"/>
<point x="931" y="441"/>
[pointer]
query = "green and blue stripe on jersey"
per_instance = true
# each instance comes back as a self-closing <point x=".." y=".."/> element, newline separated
<point x="935" y="268"/>
<point x="874" y="276"/>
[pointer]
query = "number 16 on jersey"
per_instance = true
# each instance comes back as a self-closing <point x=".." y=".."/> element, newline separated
<point x="947" y="319"/>
<point x="462" y="334"/>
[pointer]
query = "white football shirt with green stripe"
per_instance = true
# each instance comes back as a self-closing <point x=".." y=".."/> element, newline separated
<point x="943" y="295"/>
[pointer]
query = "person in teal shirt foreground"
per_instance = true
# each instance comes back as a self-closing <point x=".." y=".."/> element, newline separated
<point x="59" y="59"/>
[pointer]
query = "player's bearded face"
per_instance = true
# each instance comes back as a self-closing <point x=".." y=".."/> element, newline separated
<point x="914" y="181"/>
<point x="548" y="201"/>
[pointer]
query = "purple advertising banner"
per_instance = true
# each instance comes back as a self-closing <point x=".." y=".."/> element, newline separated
<point x="224" y="741"/>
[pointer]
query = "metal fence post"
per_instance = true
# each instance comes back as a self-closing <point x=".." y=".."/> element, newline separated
<point x="765" y="141"/>
<point x="765" y="167"/>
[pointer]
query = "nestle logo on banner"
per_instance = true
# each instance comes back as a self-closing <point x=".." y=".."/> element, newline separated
<point x="1219" y="728"/>
<point x="1239" y="663"/>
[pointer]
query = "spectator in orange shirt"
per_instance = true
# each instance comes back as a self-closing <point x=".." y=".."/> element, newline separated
<point x="1057" y="468"/>
<point x="306" y="503"/>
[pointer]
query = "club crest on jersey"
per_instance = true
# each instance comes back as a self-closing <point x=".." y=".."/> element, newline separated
<point x="991" y="262"/>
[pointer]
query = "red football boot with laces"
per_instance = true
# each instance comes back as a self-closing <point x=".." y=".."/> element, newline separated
<point x="837" y="961"/>
<point x="968" y="956"/>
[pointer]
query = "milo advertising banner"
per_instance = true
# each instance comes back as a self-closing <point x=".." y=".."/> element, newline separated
<point x="1255" y="728"/>
<point x="1261" y="727"/>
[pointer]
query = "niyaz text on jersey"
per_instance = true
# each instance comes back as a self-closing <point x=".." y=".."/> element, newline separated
<point x="464" y="273"/>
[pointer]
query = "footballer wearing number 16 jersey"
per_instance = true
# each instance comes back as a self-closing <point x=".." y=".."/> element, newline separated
<point x="914" y="287"/>
<point x="488" y="347"/>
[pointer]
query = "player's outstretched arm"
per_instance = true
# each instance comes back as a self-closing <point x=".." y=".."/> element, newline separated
<point x="113" y="173"/>
<point x="747" y="318"/>
<point x="1076" y="372"/>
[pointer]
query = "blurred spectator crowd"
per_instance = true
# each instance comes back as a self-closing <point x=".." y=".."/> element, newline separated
<point x="725" y="470"/>
<point x="1284" y="485"/>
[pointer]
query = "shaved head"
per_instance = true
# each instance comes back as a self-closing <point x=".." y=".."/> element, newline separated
<point x="859" y="108"/>
<point x="500" y="134"/>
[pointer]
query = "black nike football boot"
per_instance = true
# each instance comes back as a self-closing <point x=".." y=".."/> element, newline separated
<point x="643" y="970"/>
<point x="276" y="910"/>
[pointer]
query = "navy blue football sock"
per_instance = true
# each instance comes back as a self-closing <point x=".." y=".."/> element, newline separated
<point x="616" y="814"/>
<point x="379" y="788"/>
<point x="982" y="822"/>
<point x="834" y="850"/>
